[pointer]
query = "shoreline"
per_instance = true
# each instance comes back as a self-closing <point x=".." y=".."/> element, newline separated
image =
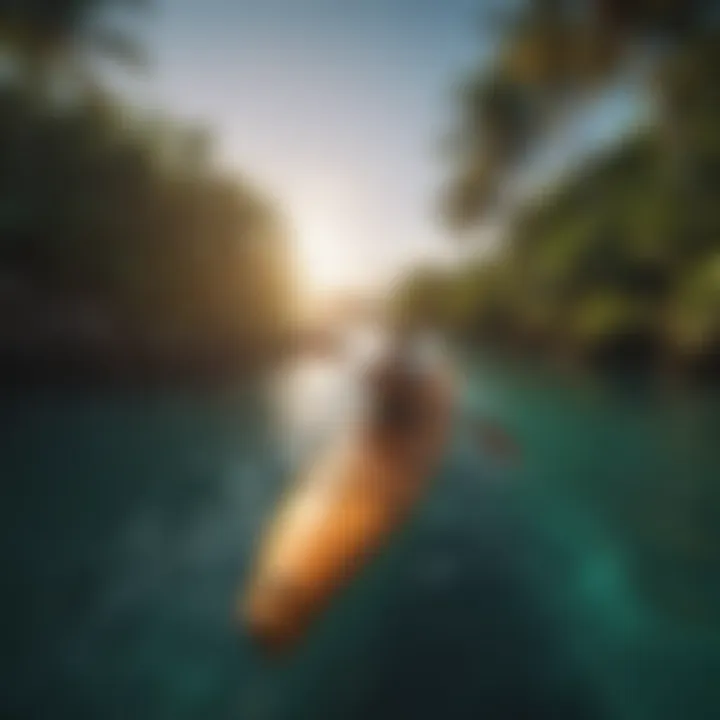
<point x="135" y="368"/>
<point x="200" y="365"/>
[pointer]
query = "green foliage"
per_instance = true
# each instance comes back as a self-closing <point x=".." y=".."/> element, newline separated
<point x="92" y="207"/>
<point x="616" y="260"/>
<point x="619" y="256"/>
<point x="695" y="319"/>
<point x="101" y="207"/>
<point x="556" y="54"/>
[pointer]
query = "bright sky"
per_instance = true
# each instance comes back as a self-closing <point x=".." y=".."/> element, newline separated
<point x="336" y="106"/>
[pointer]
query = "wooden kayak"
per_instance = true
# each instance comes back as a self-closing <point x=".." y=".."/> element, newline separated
<point x="338" y="515"/>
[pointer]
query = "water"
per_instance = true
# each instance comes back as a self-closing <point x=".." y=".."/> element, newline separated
<point x="583" y="583"/>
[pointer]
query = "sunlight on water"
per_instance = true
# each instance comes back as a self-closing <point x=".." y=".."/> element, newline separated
<point x="317" y="398"/>
<point x="311" y="399"/>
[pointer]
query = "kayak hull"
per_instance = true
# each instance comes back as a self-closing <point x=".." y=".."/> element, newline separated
<point x="338" y="515"/>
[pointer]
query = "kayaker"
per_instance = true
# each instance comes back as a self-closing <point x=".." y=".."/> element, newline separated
<point x="396" y="384"/>
<point x="348" y="502"/>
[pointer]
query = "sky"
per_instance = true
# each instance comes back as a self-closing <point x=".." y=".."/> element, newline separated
<point x="337" y="108"/>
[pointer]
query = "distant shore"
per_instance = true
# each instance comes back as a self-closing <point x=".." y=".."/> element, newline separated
<point x="66" y="362"/>
<point x="641" y="362"/>
<point x="56" y="337"/>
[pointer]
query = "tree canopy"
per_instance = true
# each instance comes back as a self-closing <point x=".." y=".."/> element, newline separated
<point x="125" y="214"/>
<point x="618" y="255"/>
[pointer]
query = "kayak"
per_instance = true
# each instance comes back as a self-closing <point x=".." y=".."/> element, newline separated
<point x="338" y="515"/>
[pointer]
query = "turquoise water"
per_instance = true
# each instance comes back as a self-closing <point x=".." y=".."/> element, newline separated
<point x="582" y="582"/>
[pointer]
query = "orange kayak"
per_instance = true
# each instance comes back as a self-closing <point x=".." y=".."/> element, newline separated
<point x="339" y="514"/>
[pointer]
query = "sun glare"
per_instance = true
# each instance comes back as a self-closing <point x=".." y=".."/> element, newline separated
<point x="326" y="265"/>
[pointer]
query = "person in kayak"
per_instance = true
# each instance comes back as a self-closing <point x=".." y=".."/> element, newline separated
<point x="396" y="386"/>
<point x="394" y="392"/>
<point x="347" y="503"/>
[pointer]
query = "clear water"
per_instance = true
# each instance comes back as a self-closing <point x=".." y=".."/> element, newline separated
<point x="582" y="583"/>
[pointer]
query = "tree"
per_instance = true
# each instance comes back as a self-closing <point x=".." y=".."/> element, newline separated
<point x="59" y="37"/>
<point x="102" y="209"/>
<point x="555" y="52"/>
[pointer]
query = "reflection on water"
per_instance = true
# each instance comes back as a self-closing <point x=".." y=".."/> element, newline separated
<point x="584" y="584"/>
<point x="311" y="398"/>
